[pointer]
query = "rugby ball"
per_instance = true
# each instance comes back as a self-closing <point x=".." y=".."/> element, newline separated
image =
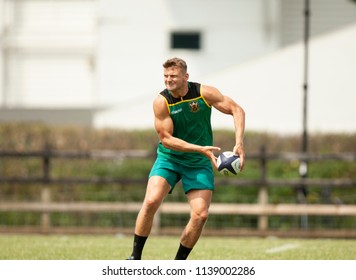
<point x="228" y="163"/>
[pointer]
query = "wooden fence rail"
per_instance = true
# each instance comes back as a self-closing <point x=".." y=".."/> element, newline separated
<point x="181" y="208"/>
<point x="262" y="209"/>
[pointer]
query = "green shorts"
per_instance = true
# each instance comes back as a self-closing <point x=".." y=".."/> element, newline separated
<point x="200" y="177"/>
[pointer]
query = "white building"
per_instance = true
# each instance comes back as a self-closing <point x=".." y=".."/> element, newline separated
<point x="98" y="62"/>
<point x="48" y="53"/>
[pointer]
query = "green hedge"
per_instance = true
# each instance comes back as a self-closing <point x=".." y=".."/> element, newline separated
<point x="34" y="137"/>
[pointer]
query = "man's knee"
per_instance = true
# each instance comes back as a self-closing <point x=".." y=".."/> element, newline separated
<point x="200" y="217"/>
<point x="151" y="204"/>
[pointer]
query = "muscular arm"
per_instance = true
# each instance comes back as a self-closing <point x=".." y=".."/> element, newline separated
<point x="164" y="127"/>
<point x="228" y="106"/>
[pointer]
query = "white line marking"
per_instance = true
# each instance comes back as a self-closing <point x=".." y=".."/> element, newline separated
<point x="282" y="248"/>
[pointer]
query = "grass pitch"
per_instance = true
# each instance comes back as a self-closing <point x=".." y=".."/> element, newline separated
<point x="86" y="247"/>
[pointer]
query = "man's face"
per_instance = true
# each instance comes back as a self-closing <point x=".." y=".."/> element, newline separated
<point x="174" y="78"/>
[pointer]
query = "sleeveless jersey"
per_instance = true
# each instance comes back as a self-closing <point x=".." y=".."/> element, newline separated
<point x="191" y="119"/>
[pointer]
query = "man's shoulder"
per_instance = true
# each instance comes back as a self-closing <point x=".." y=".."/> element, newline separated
<point x="196" y="86"/>
<point x="159" y="99"/>
<point x="164" y="93"/>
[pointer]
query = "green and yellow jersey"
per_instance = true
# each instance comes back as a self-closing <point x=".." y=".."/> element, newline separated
<point x="191" y="116"/>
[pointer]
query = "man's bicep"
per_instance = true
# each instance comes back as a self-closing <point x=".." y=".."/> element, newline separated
<point x="226" y="105"/>
<point x="222" y="103"/>
<point x="163" y="126"/>
<point x="163" y="122"/>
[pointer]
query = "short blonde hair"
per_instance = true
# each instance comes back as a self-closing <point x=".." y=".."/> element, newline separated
<point x="178" y="62"/>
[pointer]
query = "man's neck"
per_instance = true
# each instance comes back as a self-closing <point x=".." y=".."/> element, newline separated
<point x="181" y="92"/>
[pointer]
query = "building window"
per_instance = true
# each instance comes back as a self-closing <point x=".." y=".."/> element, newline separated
<point x="185" y="40"/>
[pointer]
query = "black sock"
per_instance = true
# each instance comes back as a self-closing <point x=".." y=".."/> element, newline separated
<point x="182" y="253"/>
<point x="139" y="242"/>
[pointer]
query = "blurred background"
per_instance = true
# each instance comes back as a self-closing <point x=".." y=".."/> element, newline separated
<point x="99" y="62"/>
<point x="77" y="81"/>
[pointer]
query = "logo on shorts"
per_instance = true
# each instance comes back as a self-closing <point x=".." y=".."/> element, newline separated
<point x="194" y="106"/>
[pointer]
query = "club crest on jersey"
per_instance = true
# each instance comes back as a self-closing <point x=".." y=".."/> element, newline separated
<point x="194" y="106"/>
